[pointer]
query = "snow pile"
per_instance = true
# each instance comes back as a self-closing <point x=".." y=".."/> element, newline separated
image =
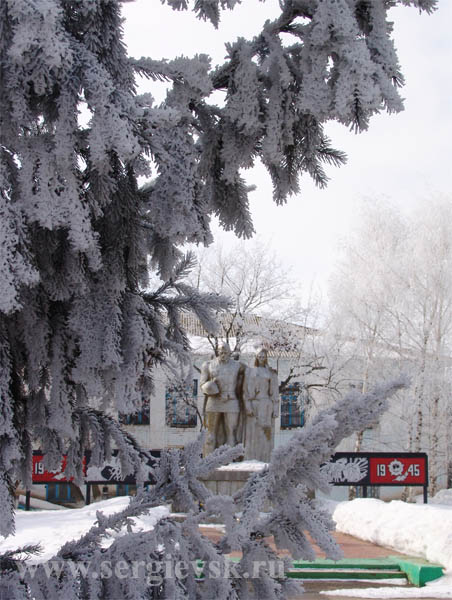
<point x="41" y="504"/>
<point x="442" y="497"/>
<point x="436" y="589"/>
<point x="245" y="465"/>
<point x="52" y="529"/>
<point x="413" y="529"/>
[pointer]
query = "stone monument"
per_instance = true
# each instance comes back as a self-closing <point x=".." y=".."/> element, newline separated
<point x="239" y="397"/>
<point x="262" y="408"/>
<point x="222" y="384"/>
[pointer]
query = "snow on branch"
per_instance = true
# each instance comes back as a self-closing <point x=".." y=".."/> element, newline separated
<point x="295" y="467"/>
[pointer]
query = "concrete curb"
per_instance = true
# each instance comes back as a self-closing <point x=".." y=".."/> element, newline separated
<point x="418" y="571"/>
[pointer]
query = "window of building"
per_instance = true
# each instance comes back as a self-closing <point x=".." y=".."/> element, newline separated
<point x="292" y="407"/>
<point x="180" y="406"/>
<point x="59" y="492"/>
<point x="139" y="418"/>
<point x="126" y="489"/>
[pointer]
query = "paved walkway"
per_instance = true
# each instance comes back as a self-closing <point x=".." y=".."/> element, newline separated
<point x="355" y="548"/>
<point x="352" y="548"/>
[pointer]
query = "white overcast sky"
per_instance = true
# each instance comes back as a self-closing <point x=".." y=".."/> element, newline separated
<point x="403" y="158"/>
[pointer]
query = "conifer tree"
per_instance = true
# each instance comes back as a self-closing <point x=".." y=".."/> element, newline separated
<point x="78" y="235"/>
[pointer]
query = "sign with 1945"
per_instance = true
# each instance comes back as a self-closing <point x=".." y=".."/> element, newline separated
<point x="399" y="470"/>
<point x="377" y="468"/>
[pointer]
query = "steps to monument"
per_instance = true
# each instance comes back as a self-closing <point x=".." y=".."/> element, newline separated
<point x="398" y="570"/>
<point x="413" y="570"/>
<point x="367" y="574"/>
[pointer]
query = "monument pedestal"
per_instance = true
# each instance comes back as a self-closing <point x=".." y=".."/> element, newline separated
<point x="228" y="480"/>
<point x="226" y="483"/>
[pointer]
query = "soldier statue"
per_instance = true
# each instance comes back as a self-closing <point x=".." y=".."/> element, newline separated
<point x="222" y="384"/>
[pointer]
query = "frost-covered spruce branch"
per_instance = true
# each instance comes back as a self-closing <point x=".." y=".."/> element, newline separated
<point x="95" y="431"/>
<point x="176" y="477"/>
<point x="76" y="229"/>
<point x="294" y="90"/>
<point x="99" y="432"/>
<point x="12" y="585"/>
<point x="295" y="468"/>
<point x="10" y="559"/>
<point x="181" y="377"/>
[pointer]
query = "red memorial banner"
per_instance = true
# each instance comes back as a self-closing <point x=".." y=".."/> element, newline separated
<point x="398" y="470"/>
<point x="41" y="475"/>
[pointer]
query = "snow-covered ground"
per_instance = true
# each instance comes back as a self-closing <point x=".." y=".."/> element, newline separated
<point x="52" y="528"/>
<point x="413" y="529"/>
<point x="41" y="504"/>
<point x="422" y="530"/>
<point x="442" y="497"/>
